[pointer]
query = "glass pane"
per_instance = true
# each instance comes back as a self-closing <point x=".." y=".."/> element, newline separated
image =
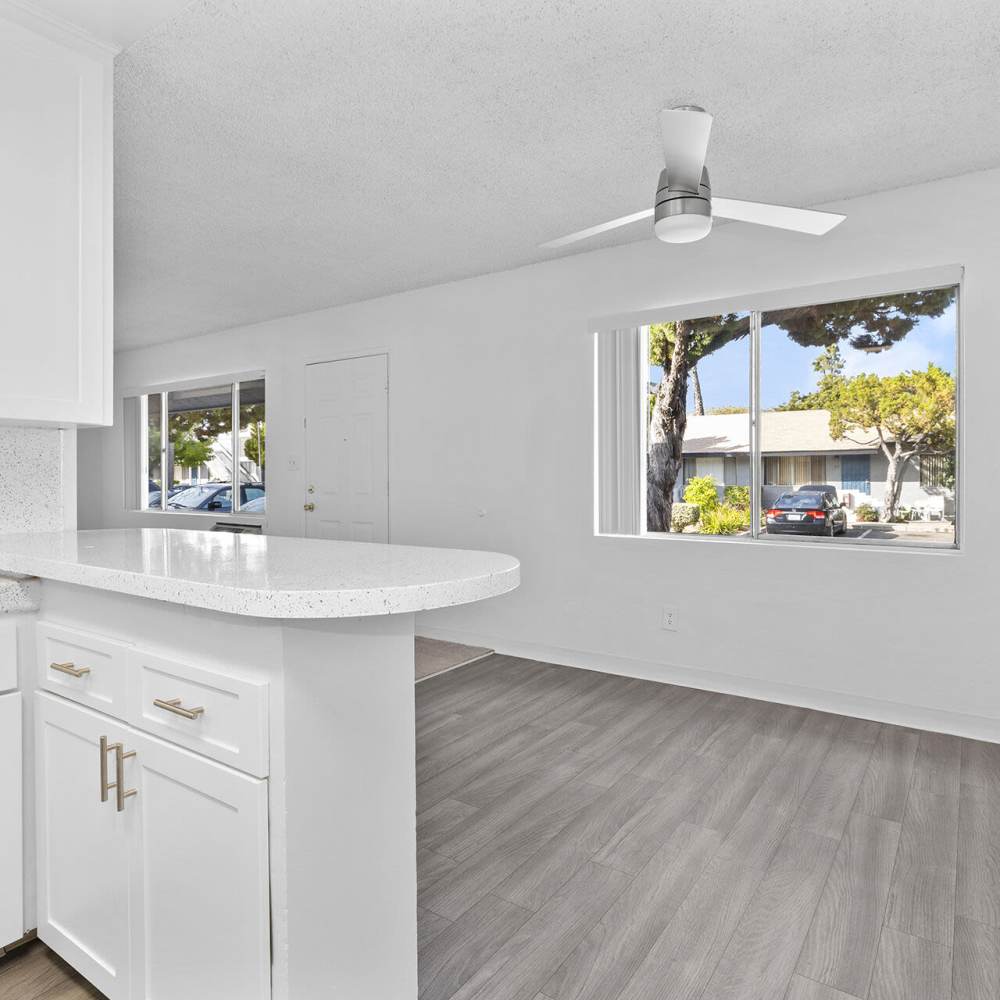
<point x="200" y="450"/>
<point x="698" y="459"/>
<point x="252" y="446"/>
<point x="152" y="433"/>
<point x="858" y="410"/>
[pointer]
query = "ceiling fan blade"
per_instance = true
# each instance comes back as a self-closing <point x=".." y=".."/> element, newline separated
<point x="801" y="220"/>
<point x="685" y="144"/>
<point x="604" y="227"/>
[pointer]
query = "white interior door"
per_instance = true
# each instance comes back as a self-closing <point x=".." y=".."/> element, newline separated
<point x="199" y="887"/>
<point x="83" y="869"/>
<point x="347" y="450"/>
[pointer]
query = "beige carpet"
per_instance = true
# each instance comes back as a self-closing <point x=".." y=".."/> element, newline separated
<point x="434" y="656"/>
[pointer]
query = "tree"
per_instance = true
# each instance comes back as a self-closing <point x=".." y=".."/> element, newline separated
<point x="193" y="434"/>
<point x="828" y="366"/>
<point x="677" y="348"/>
<point x="699" y="403"/>
<point x="912" y="414"/>
<point x="255" y="447"/>
<point x="873" y="324"/>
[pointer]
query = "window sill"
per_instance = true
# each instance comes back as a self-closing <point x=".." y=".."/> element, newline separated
<point x="839" y="544"/>
<point x="208" y="515"/>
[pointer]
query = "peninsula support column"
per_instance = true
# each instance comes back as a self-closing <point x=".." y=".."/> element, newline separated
<point x="347" y="839"/>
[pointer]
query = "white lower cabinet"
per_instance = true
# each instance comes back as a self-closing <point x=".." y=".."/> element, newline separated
<point x="11" y="847"/>
<point x="161" y="892"/>
<point x="82" y="846"/>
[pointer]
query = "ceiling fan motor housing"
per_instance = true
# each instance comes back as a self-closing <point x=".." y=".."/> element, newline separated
<point x="682" y="216"/>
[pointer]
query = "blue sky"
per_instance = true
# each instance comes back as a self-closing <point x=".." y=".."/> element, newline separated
<point x="786" y="366"/>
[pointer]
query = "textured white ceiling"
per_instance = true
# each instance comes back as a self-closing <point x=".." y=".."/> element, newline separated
<point x="276" y="157"/>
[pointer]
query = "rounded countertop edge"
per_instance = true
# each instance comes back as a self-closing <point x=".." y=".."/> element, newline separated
<point x="274" y="604"/>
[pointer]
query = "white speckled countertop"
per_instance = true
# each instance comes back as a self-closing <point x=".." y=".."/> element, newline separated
<point x="18" y="594"/>
<point x="262" y="576"/>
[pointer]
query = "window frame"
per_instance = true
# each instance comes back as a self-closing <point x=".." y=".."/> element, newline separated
<point x="140" y="458"/>
<point x="756" y="304"/>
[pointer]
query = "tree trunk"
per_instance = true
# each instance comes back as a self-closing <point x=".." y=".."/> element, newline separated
<point x="666" y="434"/>
<point x="894" y="482"/>
<point x="699" y="403"/>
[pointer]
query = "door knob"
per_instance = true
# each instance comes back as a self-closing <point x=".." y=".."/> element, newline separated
<point x="309" y="506"/>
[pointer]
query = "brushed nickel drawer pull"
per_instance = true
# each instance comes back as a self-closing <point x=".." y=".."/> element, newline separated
<point x="174" y="705"/>
<point x="121" y="793"/>
<point x="69" y="668"/>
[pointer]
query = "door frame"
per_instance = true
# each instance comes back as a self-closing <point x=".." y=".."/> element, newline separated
<point x="326" y="359"/>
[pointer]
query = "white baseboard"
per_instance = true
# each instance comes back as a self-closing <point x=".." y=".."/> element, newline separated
<point x="896" y="713"/>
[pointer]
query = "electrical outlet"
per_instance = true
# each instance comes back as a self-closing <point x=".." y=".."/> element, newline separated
<point x="669" y="621"/>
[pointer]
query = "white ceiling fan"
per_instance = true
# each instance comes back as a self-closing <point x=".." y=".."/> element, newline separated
<point x="684" y="205"/>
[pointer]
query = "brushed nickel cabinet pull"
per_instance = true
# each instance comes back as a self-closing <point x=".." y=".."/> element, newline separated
<point x="69" y="668"/>
<point x="174" y="705"/>
<point x="121" y="793"/>
<point x="105" y="787"/>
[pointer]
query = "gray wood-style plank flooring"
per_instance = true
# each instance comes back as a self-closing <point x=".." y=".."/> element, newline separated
<point x="590" y="837"/>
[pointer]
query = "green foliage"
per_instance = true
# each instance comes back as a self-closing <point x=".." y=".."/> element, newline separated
<point x="193" y="434"/>
<point x="724" y="520"/>
<point x="916" y="409"/>
<point x="738" y="497"/>
<point x="721" y="411"/>
<point x="829" y="366"/>
<point x="873" y="324"/>
<point x="255" y="446"/>
<point x="697" y="337"/>
<point x="701" y="490"/>
<point x="683" y="515"/>
<point x="866" y="513"/>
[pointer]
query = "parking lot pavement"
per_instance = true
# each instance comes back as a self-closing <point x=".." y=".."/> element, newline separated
<point x="911" y="532"/>
<point x="881" y="532"/>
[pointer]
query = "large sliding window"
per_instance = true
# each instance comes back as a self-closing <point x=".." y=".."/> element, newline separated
<point x="834" y="420"/>
<point x="197" y="448"/>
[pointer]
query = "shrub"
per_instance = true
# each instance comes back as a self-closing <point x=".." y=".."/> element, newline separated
<point x="738" y="497"/>
<point x="724" y="520"/>
<point x="866" y="512"/>
<point x="701" y="490"/>
<point x="683" y="515"/>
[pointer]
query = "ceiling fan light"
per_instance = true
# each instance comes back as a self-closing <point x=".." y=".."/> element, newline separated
<point x="683" y="228"/>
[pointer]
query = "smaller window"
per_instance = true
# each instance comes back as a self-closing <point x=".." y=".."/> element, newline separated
<point x="193" y="446"/>
<point x="936" y="472"/>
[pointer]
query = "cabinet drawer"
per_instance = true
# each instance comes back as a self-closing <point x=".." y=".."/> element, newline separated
<point x="85" y="667"/>
<point x="214" y="714"/>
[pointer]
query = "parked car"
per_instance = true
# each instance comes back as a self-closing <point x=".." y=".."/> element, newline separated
<point x="256" y="506"/>
<point x="154" y="492"/>
<point x="216" y="497"/>
<point x="806" y="513"/>
<point x="820" y="488"/>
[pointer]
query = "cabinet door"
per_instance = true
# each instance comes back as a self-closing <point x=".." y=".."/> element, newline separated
<point x="11" y="829"/>
<point x="83" y="845"/>
<point x="199" y="888"/>
<point x="55" y="240"/>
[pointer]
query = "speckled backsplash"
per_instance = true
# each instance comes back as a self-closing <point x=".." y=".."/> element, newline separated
<point x="31" y="495"/>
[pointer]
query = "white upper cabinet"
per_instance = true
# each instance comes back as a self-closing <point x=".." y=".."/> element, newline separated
<point x="56" y="236"/>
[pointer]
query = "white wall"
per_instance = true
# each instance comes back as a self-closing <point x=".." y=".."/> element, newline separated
<point x="491" y="447"/>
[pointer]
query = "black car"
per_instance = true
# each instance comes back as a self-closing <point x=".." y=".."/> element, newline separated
<point x="820" y="488"/>
<point x="807" y="512"/>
